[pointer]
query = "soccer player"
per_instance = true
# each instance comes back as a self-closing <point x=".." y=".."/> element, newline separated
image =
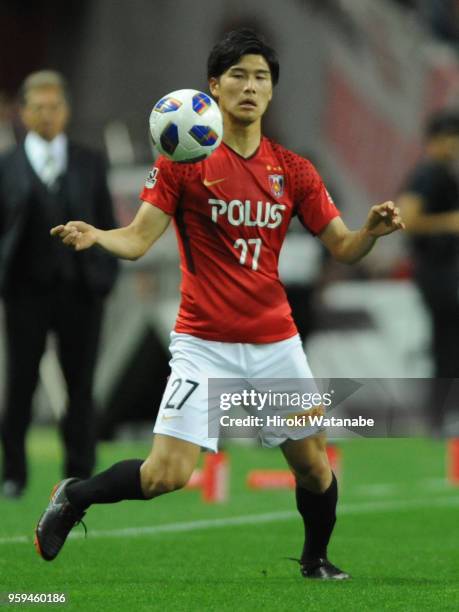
<point x="231" y="213"/>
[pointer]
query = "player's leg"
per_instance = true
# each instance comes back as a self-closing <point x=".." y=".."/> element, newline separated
<point x="169" y="465"/>
<point x="316" y="500"/>
<point x="167" y="468"/>
<point x="285" y="364"/>
<point x="182" y="429"/>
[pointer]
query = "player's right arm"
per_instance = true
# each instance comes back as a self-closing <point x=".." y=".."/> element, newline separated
<point x="418" y="221"/>
<point x="129" y="242"/>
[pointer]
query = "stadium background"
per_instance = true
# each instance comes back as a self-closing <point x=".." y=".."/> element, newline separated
<point x="357" y="80"/>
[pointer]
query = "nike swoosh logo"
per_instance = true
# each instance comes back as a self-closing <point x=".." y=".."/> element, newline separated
<point x="210" y="183"/>
<point x="175" y="416"/>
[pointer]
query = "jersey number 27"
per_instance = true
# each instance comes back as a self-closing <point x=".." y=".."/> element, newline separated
<point x="245" y="246"/>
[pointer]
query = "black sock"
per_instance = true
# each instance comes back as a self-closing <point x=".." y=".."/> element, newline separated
<point x="121" y="481"/>
<point x="319" y="515"/>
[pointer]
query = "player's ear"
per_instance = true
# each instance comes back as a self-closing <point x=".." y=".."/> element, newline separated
<point x="214" y="87"/>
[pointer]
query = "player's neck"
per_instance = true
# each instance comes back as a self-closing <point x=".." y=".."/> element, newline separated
<point x="244" y="139"/>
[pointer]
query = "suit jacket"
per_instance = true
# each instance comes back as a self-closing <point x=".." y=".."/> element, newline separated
<point x="88" y="200"/>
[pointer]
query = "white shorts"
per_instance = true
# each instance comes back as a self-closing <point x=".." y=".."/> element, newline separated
<point x="185" y="410"/>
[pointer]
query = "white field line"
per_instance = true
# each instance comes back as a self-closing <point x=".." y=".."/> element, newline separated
<point x="385" y="489"/>
<point x="251" y="519"/>
<point x="376" y="490"/>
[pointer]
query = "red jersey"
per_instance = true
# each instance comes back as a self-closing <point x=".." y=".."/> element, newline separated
<point x="231" y="215"/>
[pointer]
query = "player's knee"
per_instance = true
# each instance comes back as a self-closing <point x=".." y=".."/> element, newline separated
<point x="315" y="477"/>
<point x="161" y="479"/>
<point x="165" y="483"/>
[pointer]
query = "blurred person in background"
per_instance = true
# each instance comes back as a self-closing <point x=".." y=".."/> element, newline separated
<point x="7" y="135"/>
<point x="443" y="18"/>
<point x="430" y="204"/>
<point x="440" y="16"/>
<point x="44" y="286"/>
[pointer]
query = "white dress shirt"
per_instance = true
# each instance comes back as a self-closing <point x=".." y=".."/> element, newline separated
<point x="48" y="159"/>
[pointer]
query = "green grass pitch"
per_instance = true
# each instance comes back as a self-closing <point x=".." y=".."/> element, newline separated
<point x="397" y="534"/>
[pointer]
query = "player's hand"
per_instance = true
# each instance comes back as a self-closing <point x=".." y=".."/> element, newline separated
<point x="76" y="234"/>
<point x="383" y="219"/>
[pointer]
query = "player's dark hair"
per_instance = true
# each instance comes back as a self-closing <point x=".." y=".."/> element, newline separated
<point x="229" y="50"/>
<point x="444" y="123"/>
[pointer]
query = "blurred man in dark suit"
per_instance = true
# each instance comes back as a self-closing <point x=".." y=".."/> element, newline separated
<point x="430" y="203"/>
<point x="45" y="287"/>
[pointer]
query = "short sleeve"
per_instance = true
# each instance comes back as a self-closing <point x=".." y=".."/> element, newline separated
<point x="314" y="205"/>
<point x="163" y="186"/>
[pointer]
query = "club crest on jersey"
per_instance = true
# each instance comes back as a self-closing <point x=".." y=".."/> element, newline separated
<point x="276" y="183"/>
<point x="152" y="178"/>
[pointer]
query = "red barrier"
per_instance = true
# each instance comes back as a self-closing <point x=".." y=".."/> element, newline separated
<point x="212" y="479"/>
<point x="453" y="460"/>
<point x="284" y="479"/>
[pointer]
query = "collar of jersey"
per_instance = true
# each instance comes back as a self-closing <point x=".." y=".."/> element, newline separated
<point x="254" y="154"/>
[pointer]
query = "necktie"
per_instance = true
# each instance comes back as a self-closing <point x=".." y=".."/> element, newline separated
<point x="50" y="170"/>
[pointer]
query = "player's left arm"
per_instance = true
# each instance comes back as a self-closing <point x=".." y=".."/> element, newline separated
<point x="349" y="246"/>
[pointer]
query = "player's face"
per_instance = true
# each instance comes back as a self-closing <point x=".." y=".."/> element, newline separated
<point x="244" y="91"/>
<point x="45" y="111"/>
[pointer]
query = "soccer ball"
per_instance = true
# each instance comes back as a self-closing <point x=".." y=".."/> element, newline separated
<point x="186" y="125"/>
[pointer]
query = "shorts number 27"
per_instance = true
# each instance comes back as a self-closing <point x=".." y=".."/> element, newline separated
<point x="177" y="402"/>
